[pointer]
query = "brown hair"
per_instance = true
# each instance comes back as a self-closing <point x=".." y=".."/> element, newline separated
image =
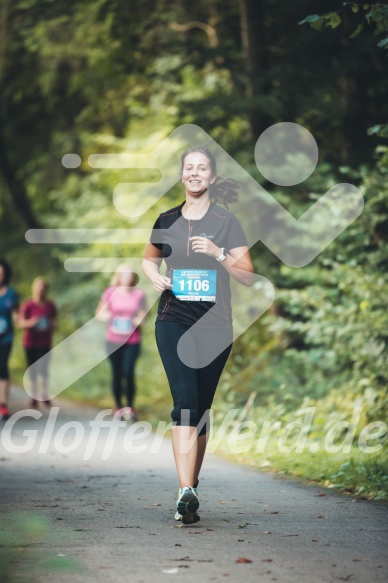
<point x="123" y="267"/>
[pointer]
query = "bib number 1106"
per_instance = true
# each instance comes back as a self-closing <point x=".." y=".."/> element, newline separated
<point x="195" y="285"/>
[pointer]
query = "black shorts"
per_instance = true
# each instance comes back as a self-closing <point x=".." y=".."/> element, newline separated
<point x="33" y="355"/>
<point x="192" y="388"/>
<point x="5" y="351"/>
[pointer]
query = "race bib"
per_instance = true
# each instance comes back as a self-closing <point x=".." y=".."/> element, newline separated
<point x="194" y="285"/>
<point x="4" y="325"/>
<point x="42" y="324"/>
<point x="121" y="325"/>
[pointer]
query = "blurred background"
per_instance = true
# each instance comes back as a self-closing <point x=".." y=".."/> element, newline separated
<point x="111" y="76"/>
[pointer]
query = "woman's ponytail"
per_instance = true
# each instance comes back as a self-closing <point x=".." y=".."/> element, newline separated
<point x="224" y="191"/>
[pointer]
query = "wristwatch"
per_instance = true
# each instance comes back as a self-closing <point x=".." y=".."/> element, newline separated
<point x="222" y="257"/>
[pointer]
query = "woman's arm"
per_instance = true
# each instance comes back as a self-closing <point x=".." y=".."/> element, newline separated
<point x="153" y="258"/>
<point x="238" y="260"/>
<point x="102" y="311"/>
<point x="141" y="314"/>
<point x="239" y="264"/>
<point x="22" y="320"/>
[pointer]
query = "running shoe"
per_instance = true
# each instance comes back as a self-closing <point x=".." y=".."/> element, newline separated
<point x="4" y="413"/>
<point x="132" y="413"/>
<point x="127" y="413"/>
<point x="187" y="505"/>
<point x="196" y="516"/>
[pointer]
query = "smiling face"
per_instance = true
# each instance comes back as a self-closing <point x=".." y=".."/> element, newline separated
<point x="197" y="173"/>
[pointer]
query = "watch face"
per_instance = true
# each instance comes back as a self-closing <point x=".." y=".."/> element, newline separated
<point x="222" y="257"/>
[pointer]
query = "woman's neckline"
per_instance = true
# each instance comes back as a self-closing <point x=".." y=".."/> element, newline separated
<point x="200" y="219"/>
<point x="123" y="289"/>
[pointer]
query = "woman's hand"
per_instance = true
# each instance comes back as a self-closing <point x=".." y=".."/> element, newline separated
<point x="204" y="245"/>
<point x="102" y="311"/>
<point x="26" y="322"/>
<point x="161" y="283"/>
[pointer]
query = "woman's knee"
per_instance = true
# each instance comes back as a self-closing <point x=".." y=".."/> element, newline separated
<point x="4" y="373"/>
<point x="184" y="415"/>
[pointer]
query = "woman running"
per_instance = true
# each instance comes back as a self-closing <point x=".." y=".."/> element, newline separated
<point x="37" y="317"/>
<point x="202" y="244"/>
<point x="123" y="307"/>
<point x="9" y="304"/>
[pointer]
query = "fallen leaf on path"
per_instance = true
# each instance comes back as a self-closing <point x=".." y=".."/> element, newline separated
<point x="243" y="560"/>
<point x="270" y="532"/>
<point x="266" y="560"/>
<point x="276" y="512"/>
<point x="156" y="504"/>
<point x="320" y="495"/>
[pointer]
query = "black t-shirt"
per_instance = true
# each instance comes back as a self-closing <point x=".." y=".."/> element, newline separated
<point x="171" y="235"/>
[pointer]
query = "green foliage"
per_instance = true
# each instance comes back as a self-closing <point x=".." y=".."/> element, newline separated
<point x="375" y="15"/>
<point x="22" y="535"/>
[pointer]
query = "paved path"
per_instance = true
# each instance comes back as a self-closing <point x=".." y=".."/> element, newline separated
<point x="69" y="519"/>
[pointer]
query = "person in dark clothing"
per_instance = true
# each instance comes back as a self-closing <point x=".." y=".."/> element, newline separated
<point x="9" y="305"/>
<point x="202" y="244"/>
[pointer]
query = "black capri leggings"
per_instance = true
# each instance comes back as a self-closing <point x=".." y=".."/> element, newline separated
<point x="34" y="355"/>
<point x="123" y="359"/>
<point x="5" y="350"/>
<point x="192" y="389"/>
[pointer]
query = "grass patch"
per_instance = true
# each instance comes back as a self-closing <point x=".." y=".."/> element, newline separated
<point x="341" y="462"/>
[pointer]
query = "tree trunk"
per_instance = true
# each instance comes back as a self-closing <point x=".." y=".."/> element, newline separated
<point x="16" y="190"/>
<point x="254" y="47"/>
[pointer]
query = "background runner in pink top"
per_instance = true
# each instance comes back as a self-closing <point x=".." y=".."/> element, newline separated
<point x="123" y="307"/>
